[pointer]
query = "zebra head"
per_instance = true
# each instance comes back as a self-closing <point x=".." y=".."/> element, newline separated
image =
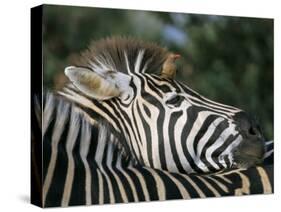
<point x="159" y="121"/>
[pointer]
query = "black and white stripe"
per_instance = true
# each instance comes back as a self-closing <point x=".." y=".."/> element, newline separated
<point x="164" y="124"/>
<point x="85" y="164"/>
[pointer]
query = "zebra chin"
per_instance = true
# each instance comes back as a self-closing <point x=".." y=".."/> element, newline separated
<point x="249" y="153"/>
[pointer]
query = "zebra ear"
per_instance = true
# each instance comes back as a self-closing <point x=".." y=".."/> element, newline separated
<point x="101" y="87"/>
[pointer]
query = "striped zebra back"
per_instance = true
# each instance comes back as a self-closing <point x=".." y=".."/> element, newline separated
<point x="83" y="164"/>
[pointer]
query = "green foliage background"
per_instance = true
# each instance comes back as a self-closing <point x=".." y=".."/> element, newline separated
<point x="227" y="59"/>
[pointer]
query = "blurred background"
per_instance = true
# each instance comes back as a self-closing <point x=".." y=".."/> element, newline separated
<point x="227" y="59"/>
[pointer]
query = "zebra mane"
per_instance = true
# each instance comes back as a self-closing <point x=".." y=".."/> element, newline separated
<point x="123" y="54"/>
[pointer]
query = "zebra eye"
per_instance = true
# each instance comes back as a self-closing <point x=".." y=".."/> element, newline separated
<point x="175" y="100"/>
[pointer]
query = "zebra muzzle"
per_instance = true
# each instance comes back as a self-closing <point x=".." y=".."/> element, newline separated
<point x="251" y="150"/>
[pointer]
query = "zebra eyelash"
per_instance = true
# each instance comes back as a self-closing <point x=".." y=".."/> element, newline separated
<point x="174" y="100"/>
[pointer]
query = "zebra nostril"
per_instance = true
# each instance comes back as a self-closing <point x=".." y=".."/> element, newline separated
<point x="247" y="125"/>
<point x="252" y="131"/>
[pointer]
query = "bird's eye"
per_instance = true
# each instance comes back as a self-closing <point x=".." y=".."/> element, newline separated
<point x="175" y="100"/>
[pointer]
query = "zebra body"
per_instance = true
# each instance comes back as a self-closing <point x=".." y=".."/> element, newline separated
<point x="120" y="133"/>
<point x="83" y="164"/>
